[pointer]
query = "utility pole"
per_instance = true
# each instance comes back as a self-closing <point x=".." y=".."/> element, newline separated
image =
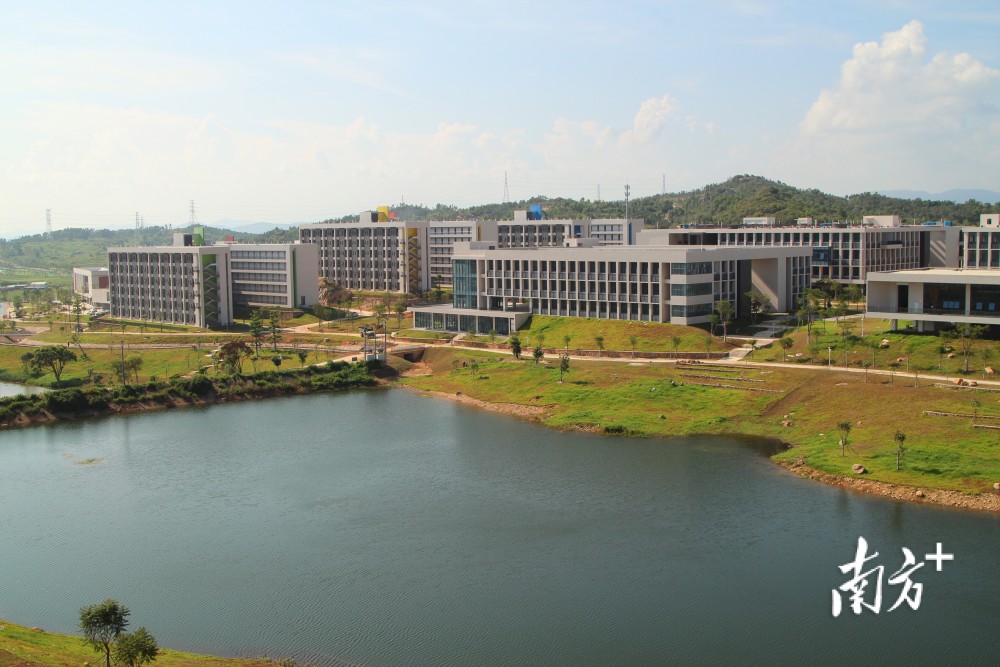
<point x="48" y="222"/>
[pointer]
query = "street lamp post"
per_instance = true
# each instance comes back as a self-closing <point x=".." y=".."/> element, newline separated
<point x="829" y="356"/>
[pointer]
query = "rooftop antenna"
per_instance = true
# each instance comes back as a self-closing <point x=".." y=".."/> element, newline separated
<point x="506" y="190"/>
<point x="138" y="228"/>
<point x="194" y="218"/>
<point x="48" y="222"/>
<point x="626" y="202"/>
<point x="598" y="192"/>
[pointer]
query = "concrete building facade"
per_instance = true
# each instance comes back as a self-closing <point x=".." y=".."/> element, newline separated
<point x="178" y="284"/>
<point x="980" y="246"/>
<point x="274" y="275"/>
<point x="643" y="283"/>
<point x="379" y="253"/>
<point x="935" y="298"/>
<point x="388" y="256"/>
<point x="839" y="254"/>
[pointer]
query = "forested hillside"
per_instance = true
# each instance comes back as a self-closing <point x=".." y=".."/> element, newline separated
<point x="66" y="248"/>
<point x="722" y="203"/>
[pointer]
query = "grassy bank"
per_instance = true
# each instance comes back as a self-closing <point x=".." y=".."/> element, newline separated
<point x="24" y="647"/>
<point x="799" y="406"/>
<point x="73" y="403"/>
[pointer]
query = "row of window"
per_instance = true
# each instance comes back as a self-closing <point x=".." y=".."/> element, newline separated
<point x="257" y="254"/>
<point x="261" y="277"/>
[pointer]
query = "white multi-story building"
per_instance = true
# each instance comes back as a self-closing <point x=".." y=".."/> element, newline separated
<point x="91" y="284"/>
<point x="274" y="275"/>
<point x="980" y="246"/>
<point x="388" y="256"/>
<point x="177" y="284"/>
<point x="379" y="253"/>
<point x="841" y="254"/>
<point x="645" y="283"/>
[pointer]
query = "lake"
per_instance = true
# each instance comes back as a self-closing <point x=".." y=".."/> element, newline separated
<point x="385" y="528"/>
<point x="13" y="389"/>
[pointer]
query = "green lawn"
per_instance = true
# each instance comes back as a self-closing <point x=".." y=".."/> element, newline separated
<point x="20" y="645"/>
<point x="617" y="334"/>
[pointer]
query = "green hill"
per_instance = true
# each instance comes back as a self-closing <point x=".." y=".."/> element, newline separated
<point x="720" y="203"/>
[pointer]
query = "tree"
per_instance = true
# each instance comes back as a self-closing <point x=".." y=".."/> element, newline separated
<point x="976" y="404"/>
<point x="563" y="365"/>
<point x="759" y="303"/>
<point x="102" y="624"/>
<point x="786" y="344"/>
<point x="493" y="336"/>
<point x="54" y="357"/>
<point x="566" y="339"/>
<point x="900" y="438"/>
<point x="753" y="346"/>
<point x="725" y="311"/>
<point x="77" y="309"/>
<point x="330" y="293"/>
<point x="675" y="341"/>
<point x="853" y="293"/>
<point x="132" y="366"/>
<point x="845" y="430"/>
<point x="400" y="310"/>
<point x="539" y="350"/>
<point x="515" y="345"/>
<point x="473" y="367"/>
<point x="134" y="649"/>
<point x="713" y="322"/>
<point x="438" y="291"/>
<point x="599" y="340"/>
<point x="276" y="360"/>
<point x="231" y="355"/>
<point x="965" y="336"/>
<point x="274" y="329"/>
<point x="302" y="354"/>
<point x="847" y="328"/>
<point x="632" y="341"/>
<point x="708" y="342"/>
<point x="256" y="327"/>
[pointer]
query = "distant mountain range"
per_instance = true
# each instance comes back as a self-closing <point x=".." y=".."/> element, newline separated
<point x="958" y="196"/>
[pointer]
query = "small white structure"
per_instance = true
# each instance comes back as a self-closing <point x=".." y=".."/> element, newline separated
<point x="91" y="283"/>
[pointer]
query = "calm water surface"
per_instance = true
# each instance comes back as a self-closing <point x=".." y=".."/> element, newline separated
<point x="13" y="389"/>
<point x="384" y="528"/>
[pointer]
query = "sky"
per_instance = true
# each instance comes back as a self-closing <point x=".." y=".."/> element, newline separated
<point x="301" y="111"/>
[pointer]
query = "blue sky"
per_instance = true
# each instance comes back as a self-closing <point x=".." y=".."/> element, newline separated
<point x="300" y="111"/>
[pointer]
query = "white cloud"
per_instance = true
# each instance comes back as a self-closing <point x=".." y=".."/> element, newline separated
<point x="892" y="86"/>
<point x="900" y="116"/>
<point x="120" y="160"/>
<point x="650" y="119"/>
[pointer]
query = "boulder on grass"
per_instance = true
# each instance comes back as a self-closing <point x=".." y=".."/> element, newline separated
<point x="858" y="469"/>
